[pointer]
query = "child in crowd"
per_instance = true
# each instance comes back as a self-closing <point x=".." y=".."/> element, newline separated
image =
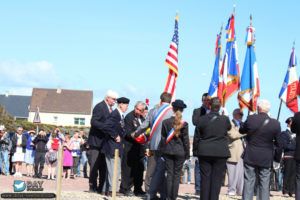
<point x="67" y="157"/>
<point x="30" y="152"/>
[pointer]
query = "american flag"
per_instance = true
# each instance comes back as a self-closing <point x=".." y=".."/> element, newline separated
<point x="172" y="62"/>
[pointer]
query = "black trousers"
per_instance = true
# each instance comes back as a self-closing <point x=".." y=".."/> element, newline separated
<point x="132" y="171"/>
<point x="289" y="177"/>
<point x="297" y="185"/>
<point x="174" y="166"/>
<point x="39" y="162"/>
<point x="211" y="172"/>
<point x="97" y="169"/>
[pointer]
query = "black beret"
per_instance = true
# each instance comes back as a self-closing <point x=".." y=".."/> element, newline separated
<point x="288" y="120"/>
<point x="123" y="100"/>
<point x="178" y="104"/>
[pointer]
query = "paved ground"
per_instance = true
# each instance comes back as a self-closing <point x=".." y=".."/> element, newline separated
<point x="77" y="188"/>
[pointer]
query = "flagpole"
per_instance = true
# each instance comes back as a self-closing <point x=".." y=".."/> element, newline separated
<point x="279" y="109"/>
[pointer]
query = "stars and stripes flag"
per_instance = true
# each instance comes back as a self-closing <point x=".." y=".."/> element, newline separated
<point x="229" y="73"/>
<point x="172" y="62"/>
<point x="213" y="87"/>
<point x="288" y="92"/>
<point x="249" y="90"/>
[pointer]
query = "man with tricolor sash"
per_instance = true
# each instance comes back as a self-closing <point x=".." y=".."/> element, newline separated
<point x="155" y="176"/>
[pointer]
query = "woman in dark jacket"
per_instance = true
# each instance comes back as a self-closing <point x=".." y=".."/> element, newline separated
<point x="174" y="146"/>
<point x="18" y="149"/>
<point x="289" y="162"/>
<point x="211" y="146"/>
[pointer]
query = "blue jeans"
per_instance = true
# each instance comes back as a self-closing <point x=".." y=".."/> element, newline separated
<point x="4" y="158"/>
<point x="83" y="161"/>
<point x="187" y="168"/>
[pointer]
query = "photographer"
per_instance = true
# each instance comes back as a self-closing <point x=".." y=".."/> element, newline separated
<point x="40" y="150"/>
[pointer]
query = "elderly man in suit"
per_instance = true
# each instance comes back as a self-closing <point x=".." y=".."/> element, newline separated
<point x="95" y="141"/>
<point x="234" y="164"/>
<point x="296" y="129"/>
<point x="155" y="176"/>
<point x="261" y="131"/>
<point x="114" y="129"/>
<point x="134" y="153"/>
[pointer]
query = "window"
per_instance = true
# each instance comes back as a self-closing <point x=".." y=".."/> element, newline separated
<point x="55" y="119"/>
<point x="79" y="121"/>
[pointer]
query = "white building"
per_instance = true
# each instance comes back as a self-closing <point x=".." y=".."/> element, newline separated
<point x="62" y="107"/>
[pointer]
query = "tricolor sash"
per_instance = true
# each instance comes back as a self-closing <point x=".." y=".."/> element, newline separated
<point x="172" y="133"/>
<point x="158" y="118"/>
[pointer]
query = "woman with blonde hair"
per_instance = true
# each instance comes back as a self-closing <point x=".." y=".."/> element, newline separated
<point x="174" y="147"/>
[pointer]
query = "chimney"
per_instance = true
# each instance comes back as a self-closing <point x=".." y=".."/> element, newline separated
<point x="6" y="94"/>
<point x="58" y="91"/>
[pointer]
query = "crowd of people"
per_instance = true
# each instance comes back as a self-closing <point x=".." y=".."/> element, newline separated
<point x="256" y="155"/>
<point x="36" y="150"/>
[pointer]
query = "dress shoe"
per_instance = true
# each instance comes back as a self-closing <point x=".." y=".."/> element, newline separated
<point x="109" y="194"/>
<point x="128" y="193"/>
<point x="139" y="193"/>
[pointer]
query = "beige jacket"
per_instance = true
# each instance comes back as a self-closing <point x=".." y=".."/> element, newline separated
<point x="235" y="143"/>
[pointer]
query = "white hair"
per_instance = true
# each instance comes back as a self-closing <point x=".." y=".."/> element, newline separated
<point x="140" y="103"/>
<point x="264" y="105"/>
<point x="112" y="94"/>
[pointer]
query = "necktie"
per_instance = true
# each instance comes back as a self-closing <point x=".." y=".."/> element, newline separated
<point x="123" y="121"/>
<point x="110" y="109"/>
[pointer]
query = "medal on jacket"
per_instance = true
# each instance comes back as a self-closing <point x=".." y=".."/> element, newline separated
<point x="134" y="123"/>
<point x="122" y="124"/>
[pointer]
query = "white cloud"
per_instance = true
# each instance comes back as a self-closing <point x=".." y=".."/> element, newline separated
<point x="31" y="74"/>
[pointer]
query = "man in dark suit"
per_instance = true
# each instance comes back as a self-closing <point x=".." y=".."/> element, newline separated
<point x="95" y="141"/>
<point x="296" y="129"/>
<point x="211" y="146"/>
<point x="198" y="112"/>
<point x="203" y="110"/>
<point x="134" y="153"/>
<point x="261" y="131"/>
<point x="114" y="129"/>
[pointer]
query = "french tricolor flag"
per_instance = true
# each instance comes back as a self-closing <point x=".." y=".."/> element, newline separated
<point x="288" y="92"/>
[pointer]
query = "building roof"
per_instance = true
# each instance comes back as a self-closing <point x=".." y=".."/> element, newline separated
<point x="16" y="105"/>
<point x="62" y="101"/>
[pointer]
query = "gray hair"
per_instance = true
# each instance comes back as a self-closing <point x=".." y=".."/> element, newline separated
<point x="140" y="103"/>
<point x="264" y="105"/>
<point x="112" y="94"/>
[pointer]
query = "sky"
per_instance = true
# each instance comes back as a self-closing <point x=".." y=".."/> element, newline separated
<point x="122" y="45"/>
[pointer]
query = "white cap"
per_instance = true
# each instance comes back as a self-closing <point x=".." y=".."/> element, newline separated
<point x="112" y="94"/>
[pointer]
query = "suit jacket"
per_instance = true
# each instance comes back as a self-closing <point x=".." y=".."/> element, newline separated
<point x="210" y="138"/>
<point x="197" y="114"/>
<point x="131" y="146"/>
<point x="176" y="146"/>
<point x="156" y="137"/>
<point x="112" y="129"/>
<point x="296" y="129"/>
<point x="289" y="143"/>
<point x="235" y="143"/>
<point x="96" y="135"/>
<point x="260" y="150"/>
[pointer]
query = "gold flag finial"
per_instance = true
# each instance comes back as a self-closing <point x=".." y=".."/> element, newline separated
<point x="176" y="17"/>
